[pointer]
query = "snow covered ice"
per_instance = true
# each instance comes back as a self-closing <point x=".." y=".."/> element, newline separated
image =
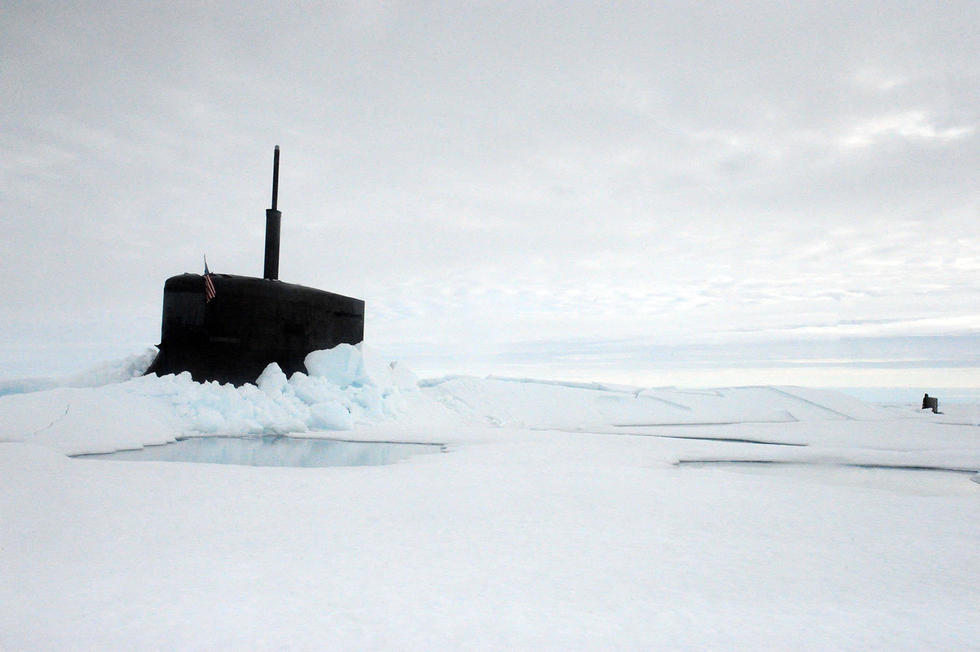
<point x="563" y="515"/>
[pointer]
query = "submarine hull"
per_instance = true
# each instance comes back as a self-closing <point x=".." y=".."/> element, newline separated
<point x="249" y="323"/>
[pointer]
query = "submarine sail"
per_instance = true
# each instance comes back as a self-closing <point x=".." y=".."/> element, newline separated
<point x="250" y="322"/>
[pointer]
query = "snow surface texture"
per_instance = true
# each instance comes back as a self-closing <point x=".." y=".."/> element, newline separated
<point x="347" y="386"/>
<point x="103" y="374"/>
<point x="563" y="516"/>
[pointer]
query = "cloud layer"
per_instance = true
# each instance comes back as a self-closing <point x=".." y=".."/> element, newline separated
<point x="490" y="176"/>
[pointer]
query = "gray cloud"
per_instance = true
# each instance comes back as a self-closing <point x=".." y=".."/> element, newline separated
<point x="489" y="174"/>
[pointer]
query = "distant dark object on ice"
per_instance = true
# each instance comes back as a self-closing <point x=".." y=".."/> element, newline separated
<point x="231" y="330"/>
<point x="930" y="402"/>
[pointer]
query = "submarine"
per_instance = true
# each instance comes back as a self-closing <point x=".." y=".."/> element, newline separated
<point x="228" y="328"/>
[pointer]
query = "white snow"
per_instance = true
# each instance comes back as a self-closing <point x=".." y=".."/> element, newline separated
<point x="559" y="517"/>
<point x="104" y="374"/>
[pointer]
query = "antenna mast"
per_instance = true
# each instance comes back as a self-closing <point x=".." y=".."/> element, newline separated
<point x="273" y="218"/>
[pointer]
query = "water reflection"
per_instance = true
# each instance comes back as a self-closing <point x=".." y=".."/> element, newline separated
<point x="273" y="451"/>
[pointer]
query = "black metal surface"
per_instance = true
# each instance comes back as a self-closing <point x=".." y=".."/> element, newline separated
<point x="273" y="220"/>
<point x="249" y="323"/>
<point x="275" y="178"/>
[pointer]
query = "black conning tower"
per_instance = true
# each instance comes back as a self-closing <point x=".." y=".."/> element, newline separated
<point x="251" y="322"/>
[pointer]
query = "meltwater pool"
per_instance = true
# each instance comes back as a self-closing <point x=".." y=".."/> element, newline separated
<point x="273" y="450"/>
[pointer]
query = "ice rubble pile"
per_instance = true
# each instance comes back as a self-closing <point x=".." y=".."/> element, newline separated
<point x="343" y="386"/>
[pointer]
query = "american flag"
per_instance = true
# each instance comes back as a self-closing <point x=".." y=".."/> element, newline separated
<point x="208" y="288"/>
<point x="209" y="291"/>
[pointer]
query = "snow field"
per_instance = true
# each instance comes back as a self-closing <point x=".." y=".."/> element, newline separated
<point x="559" y="519"/>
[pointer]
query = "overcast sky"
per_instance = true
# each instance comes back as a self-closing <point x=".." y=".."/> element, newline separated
<point x="563" y="188"/>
